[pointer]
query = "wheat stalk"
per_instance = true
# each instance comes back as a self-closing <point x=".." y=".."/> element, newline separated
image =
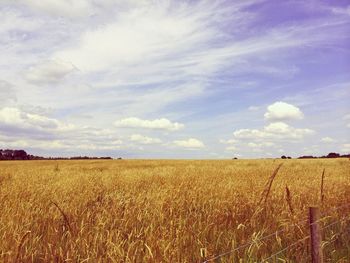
<point x="63" y="215"/>
<point x="267" y="188"/>
<point x="322" y="186"/>
<point x="20" y="245"/>
<point x="289" y="200"/>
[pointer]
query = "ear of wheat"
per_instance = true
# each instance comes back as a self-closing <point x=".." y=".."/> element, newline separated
<point x="289" y="200"/>
<point x="322" y="186"/>
<point x="267" y="188"/>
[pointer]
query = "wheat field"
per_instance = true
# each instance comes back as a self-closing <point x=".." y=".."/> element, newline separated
<point x="170" y="210"/>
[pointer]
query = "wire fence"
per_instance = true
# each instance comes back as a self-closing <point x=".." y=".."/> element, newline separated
<point x="300" y="240"/>
<point x="285" y="249"/>
<point x="254" y="241"/>
<point x="274" y="255"/>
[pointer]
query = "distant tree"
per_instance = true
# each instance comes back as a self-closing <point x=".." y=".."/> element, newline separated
<point x="283" y="157"/>
<point x="8" y="154"/>
<point x="289" y="157"/>
<point x="306" y="157"/>
<point x="333" y="155"/>
<point x="20" y="155"/>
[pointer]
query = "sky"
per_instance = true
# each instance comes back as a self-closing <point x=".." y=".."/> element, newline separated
<point x="175" y="79"/>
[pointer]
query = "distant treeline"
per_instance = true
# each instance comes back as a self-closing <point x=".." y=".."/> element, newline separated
<point x="22" y="155"/>
<point x="330" y="155"/>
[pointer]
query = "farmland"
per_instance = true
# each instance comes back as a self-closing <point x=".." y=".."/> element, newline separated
<point x="169" y="210"/>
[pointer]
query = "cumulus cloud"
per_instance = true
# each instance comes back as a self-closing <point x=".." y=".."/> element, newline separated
<point x="138" y="138"/>
<point x="327" y="140"/>
<point x="51" y="71"/>
<point x="281" y="111"/>
<point x="13" y="120"/>
<point x="160" y="124"/>
<point x="190" y="143"/>
<point x="275" y="130"/>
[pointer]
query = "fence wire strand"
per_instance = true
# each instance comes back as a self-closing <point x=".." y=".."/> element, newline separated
<point x="284" y="249"/>
<point x="253" y="241"/>
<point x="278" y="232"/>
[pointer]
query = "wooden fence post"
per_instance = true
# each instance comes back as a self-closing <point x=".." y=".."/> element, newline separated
<point x="315" y="235"/>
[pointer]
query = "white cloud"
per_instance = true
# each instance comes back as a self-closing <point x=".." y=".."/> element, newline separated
<point x="281" y="111"/>
<point x="79" y="142"/>
<point x="7" y="92"/>
<point x="50" y="72"/>
<point x="145" y="34"/>
<point x="180" y="41"/>
<point x="117" y="142"/>
<point x="231" y="148"/>
<point x="253" y="145"/>
<point x="68" y="8"/>
<point x="58" y="145"/>
<point x="346" y="148"/>
<point x="258" y="147"/>
<point x="14" y="144"/>
<point x="95" y="147"/>
<point x="327" y="140"/>
<point x="230" y="141"/>
<point x="261" y="144"/>
<point x="13" y="20"/>
<point x="78" y="8"/>
<point x="144" y="139"/>
<point x="13" y="119"/>
<point x="275" y="130"/>
<point x="190" y="143"/>
<point x="161" y="124"/>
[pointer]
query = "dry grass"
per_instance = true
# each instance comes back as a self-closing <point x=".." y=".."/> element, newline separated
<point x="167" y="211"/>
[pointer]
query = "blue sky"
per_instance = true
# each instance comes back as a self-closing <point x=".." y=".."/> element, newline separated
<point x="175" y="79"/>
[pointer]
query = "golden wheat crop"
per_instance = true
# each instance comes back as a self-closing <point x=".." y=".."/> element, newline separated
<point x="170" y="211"/>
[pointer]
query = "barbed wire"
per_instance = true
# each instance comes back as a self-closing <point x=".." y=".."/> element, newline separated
<point x="242" y="246"/>
<point x="339" y="207"/>
<point x="303" y="239"/>
<point x="278" y="232"/>
<point x="252" y="242"/>
<point x="284" y="249"/>
<point x="335" y="239"/>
